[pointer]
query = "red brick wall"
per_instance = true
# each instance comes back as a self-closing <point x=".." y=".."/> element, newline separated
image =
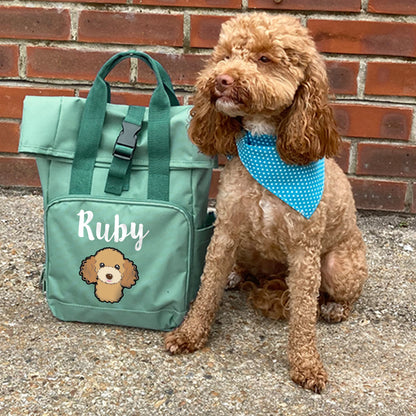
<point x="56" y="47"/>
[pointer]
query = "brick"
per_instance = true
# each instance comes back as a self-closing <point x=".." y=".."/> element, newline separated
<point x="9" y="57"/>
<point x="386" y="160"/>
<point x="343" y="157"/>
<point x="321" y="5"/>
<point x="133" y="98"/>
<point x="18" y="172"/>
<point x="205" y="30"/>
<point x="379" y="195"/>
<point x="380" y="122"/>
<point x="130" y="28"/>
<point x="364" y="37"/>
<point x="9" y="136"/>
<point x="182" y="69"/>
<point x="89" y="1"/>
<point x="342" y="76"/>
<point x="387" y="78"/>
<point x="404" y="7"/>
<point x="125" y="97"/>
<point x="413" y="208"/>
<point x="221" y="4"/>
<point x="139" y="98"/>
<point x="35" y="23"/>
<point x="11" y="103"/>
<point x="57" y="63"/>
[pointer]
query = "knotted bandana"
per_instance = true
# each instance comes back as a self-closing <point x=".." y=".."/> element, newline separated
<point x="299" y="186"/>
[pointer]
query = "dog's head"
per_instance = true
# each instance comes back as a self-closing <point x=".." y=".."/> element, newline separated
<point x="109" y="266"/>
<point x="265" y="69"/>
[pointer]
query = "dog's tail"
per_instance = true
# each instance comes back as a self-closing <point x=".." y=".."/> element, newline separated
<point x="269" y="295"/>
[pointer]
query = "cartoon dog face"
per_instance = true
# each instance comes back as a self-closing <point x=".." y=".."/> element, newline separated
<point x="110" y="272"/>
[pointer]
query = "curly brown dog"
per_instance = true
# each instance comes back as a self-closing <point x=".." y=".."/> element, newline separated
<point x="266" y="77"/>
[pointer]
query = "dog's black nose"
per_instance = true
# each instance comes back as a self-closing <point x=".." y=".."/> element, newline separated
<point x="222" y="82"/>
<point x="109" y="276"/>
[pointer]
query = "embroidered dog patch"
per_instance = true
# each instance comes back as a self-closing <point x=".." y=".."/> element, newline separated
<point x="110" y="272"/>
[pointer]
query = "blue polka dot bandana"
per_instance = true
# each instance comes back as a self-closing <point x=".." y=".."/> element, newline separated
<point x="299" y="186"/>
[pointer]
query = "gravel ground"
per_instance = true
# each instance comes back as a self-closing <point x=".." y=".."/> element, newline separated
<point x="48" y="367"/>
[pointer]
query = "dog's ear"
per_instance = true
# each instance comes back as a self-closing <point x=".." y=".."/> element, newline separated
<point x="307" y="131"/>
<point x="129" y="275"/>
<point x="87" y="270"/>
<point x="213" y="132"/>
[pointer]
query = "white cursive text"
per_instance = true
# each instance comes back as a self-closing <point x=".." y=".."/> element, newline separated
<point x="110" y="232"/>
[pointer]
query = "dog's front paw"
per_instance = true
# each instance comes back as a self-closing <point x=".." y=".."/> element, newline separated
<point x="180" y="342"/>
<point x="312" y="378"/>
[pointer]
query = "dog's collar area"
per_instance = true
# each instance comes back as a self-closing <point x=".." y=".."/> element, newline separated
<point x="260" y="139"/>
<point x="299" y="186"/>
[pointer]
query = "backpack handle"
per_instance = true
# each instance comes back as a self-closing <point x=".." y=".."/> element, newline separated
<point x="92" y="121"/>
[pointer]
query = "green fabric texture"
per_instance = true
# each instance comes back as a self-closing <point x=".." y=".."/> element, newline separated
<point x="126" y="227"/>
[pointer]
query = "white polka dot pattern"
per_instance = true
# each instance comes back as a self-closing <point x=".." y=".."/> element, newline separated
<point x="299" y="186"/>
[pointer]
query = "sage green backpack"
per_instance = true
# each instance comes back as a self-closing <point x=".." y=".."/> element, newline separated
<point x="125" y="197"/>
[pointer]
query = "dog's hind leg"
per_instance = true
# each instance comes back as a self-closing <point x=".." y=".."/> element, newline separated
<point x="344" y="271"/>
<point x="193" y="333"/>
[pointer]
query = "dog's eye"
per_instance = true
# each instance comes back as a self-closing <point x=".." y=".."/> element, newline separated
<point x="226" y="58"/>
<point x="102" y="264"/>
<point x="117" y="267"/>
<point x="264" y="59"/>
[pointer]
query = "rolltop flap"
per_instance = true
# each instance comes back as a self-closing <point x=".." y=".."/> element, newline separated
<point x="50" y="127"/>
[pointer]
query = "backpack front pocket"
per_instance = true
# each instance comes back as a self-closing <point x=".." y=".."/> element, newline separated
<point x="119" y="262"/>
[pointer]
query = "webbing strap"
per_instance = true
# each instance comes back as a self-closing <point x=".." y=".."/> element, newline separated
<point x="118" y="178"/>
<point x="92" y="123"/>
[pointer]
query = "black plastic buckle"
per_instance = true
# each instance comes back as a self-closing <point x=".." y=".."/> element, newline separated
<point x="127" y="138"/>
